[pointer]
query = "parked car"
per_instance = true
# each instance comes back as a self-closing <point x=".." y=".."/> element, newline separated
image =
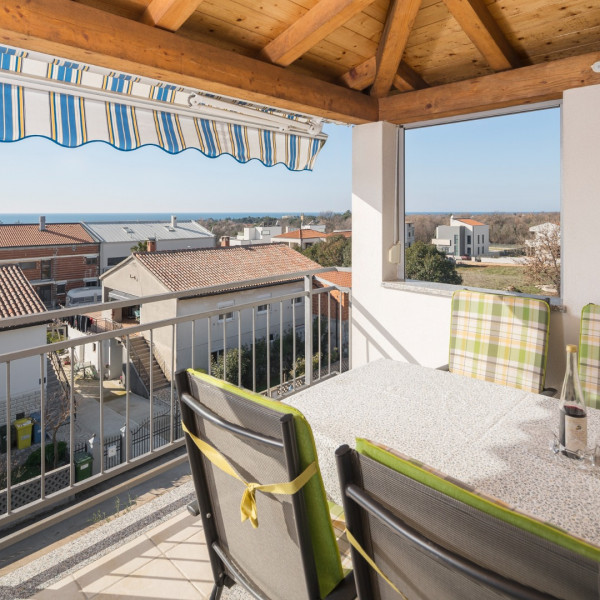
<point x="465" y="257"/>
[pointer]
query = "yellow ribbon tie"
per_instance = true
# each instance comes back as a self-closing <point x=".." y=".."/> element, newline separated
<point x="372" y="564"/>
<point x="248" y="508"/>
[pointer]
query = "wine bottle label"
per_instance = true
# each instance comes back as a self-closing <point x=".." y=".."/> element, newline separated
<point x="575" y="433"/>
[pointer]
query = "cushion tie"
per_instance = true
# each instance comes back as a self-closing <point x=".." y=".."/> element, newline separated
<point x="248" y="508"/>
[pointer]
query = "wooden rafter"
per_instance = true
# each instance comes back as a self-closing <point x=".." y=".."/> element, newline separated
<point x="323" y="18"/>
<point x="398" y="26"/>
<point x="82" y="33"/>
<point x="169" y="14"/>
<point x="526" y="85"/>
<point x="477" y="22"/>
<point x="363" y="75"/>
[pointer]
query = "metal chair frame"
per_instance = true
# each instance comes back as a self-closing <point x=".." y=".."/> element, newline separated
<point x="358" y="502"/>
<point x="224" y="570"/>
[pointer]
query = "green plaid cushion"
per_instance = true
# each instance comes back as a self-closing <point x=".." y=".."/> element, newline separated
<point x="499" y="338"/>
<point x="589" y="354"/>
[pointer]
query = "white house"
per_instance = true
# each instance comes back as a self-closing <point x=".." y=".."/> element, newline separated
<point x="116" y="238"/>
<point x="409" y="234"/>
<point x="255" y="235"/>
<point x="18" y="298"/>
<point x="463" y="237"/>
<point x="179" y="270"/>
<point x="301" y="238"/>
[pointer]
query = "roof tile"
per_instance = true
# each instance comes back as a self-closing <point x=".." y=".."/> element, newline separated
<point x="306" y="234"/>
<point x="17" y="296"/>
<point x="181" y="270"/>
<point x="55" y="234"/>
<point x="342" y="278"/>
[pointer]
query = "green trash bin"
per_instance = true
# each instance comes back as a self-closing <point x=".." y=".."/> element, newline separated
<point x="23" y="428"/>
<point x="2" y="439"/>
<point x="83" y="465"/>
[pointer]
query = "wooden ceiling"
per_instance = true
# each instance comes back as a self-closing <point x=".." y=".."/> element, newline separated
<point x="350" y="60"/>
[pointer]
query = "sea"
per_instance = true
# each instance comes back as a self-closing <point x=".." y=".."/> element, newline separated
<point x="11" y="218"/>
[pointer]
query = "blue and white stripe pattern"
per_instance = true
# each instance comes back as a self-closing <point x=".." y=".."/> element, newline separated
<point x="72" y="118"/>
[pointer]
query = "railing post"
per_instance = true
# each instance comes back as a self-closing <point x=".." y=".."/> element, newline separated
<point x="308" y="345"/>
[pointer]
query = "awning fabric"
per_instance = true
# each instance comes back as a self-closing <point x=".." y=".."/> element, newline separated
<point x="73" y="104"/>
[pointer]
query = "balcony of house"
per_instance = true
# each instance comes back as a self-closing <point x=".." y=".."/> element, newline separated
<point x="99" y="402"/>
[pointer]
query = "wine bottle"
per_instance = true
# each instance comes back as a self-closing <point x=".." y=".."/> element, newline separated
<point x="573" y="414"/>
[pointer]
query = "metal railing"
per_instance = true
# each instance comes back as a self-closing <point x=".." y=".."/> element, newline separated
<point x="253" y="349"/>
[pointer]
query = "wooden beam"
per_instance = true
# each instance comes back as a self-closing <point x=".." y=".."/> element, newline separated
<point x="477" y="22"/>
<point x="363" y="75"/>
<point x="527" y="85"/>
<point x="82" y="33"/>
<point x="323" y="18"/>
<point x="169" y="14"/>
<point x="398" y="26"/>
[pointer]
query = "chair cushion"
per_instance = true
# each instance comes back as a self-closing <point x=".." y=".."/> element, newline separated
<point x="499" y="338"/>
<point x="471" y="497"/>
<point x="589" y="354"/>
<point x="327" y="556"/>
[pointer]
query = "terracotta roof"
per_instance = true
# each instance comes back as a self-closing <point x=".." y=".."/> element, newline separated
<point x="295" y="235"/>
<point x="469" y="221"/>
<point x="17" y="296"/>
<point x="342" y="278"/>
<point x="181" y="270"/>
<point x="346" y="234"/>
<point x="55" y="234"/>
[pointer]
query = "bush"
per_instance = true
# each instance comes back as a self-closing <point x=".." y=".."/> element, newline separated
<point x="33" y="460"/>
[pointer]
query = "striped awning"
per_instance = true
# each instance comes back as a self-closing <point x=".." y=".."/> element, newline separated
<point x="73" y="104"/>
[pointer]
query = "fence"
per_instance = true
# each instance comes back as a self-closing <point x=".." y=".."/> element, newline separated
<point x="269" y="359"/>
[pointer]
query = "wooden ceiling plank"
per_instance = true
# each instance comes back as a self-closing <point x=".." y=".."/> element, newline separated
<point x="363" y="75"/>
<point x="526" y="85"/>
<point x="398" y="26"/>
<point x="485" y="33"/>
<point x="169" y="14"/>
<point x="316" y="24"/>
<point x="81" y="33"/>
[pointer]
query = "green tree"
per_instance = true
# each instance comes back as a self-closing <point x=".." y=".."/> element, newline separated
<point x="425" y="262"/>
<point x="140" y="247"/>
<point x="335" y="252"/>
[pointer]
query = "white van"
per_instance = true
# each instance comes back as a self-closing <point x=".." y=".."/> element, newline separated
<point x="84" y="295"/>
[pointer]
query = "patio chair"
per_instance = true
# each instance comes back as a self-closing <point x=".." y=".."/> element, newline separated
<point x="278" y="542"/>
<point x="500" y="338"/>
<point x="418" y="535"/>
<point x="589" y="354"/>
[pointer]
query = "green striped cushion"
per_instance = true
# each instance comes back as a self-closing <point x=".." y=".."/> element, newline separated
<point x="589" y="354"/>
<point x="498" y="338"/>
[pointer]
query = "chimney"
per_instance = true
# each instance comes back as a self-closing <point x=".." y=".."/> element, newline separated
<point x="42" y="223"/>
<point x="151" y="245"/>
<point x="173" y="221"/>
<point x="225" y="241"/>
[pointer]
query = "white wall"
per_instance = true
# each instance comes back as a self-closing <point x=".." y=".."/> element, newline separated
<point x="388" y="323"/>
<point x="208" y="303"/>
<point x="413" y="327"/>
<point x="24" y="373"/>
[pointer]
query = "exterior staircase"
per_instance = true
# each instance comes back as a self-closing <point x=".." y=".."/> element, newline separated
<point x="140" y="360"/>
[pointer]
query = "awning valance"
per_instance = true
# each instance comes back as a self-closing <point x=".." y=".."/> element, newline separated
<point x="73" y="104"/>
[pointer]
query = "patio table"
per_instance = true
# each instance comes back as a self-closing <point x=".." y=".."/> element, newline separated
<point x="494" y="438"/>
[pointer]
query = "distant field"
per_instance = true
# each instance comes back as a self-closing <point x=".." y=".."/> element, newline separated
<point x="496" y="278"/>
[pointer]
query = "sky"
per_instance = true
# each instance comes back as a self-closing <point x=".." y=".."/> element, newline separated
<point x="505" y="164"/>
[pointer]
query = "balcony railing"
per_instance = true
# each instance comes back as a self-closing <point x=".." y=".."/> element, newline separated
<point x="102" y="425"/>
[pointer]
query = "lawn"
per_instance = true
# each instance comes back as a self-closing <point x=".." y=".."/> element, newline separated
<point x="503" y="278"/>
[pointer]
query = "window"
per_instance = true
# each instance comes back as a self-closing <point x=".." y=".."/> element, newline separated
<point x="115" y="260"/>
<point x="91" y="260"/>
<point x="26" y="266"/>
<point x="91" y="283"/>
<point x="299" y="300"/>
<point x="266" y="232"/>
<point x="225" y="317"/>
<point x="492" y="209"/>
<point x="262" y="309"/>
<point x="46" y="269"/>
<point x="61" y="289"/>
<point x="45" y="293"/>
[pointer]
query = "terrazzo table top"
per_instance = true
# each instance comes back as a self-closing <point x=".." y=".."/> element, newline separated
<point x="492" y="437"/>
